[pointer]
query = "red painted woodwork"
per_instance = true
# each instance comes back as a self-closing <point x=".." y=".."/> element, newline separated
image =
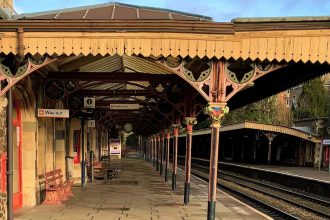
<point x="17" y="124"/>
<point x="76" y="146"/>
<point x="3" y="159"/>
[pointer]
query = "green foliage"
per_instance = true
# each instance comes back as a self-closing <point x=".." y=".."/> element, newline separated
<point x="313" y="101"/>
<point x="132" y="140"/>
<point x="203" y="124"/>
<point x="264" y="111"/>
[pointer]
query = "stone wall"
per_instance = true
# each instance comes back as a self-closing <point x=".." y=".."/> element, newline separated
<point x="3" y="148"/>
<point x="3" y="125"/>
<point x="3" y="206"/>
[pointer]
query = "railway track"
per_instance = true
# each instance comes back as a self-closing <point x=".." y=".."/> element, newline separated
<point x="273" y="200"/>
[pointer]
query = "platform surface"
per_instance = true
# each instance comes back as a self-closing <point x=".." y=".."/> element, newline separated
<point x="139" y="192"/>
<point x="303" y="172"/>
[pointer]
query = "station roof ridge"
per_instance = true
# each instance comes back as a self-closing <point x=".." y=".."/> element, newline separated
<point x="180" y="14"/>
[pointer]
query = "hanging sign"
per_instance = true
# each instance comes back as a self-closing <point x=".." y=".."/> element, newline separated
<point x="91" y="123"/>
<point x="89" y="102"/>
<point x="326" y="142"/>
<point x="53" y="113"/>
<point x="124" y="106"/>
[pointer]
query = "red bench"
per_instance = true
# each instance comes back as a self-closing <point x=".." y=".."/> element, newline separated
<point x="56" y="189"/>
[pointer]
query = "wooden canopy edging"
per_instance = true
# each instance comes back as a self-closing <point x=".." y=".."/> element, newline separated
<point x="303" y="45"/>
<point x="262" y="127"/>
<point x="271" y="128"/>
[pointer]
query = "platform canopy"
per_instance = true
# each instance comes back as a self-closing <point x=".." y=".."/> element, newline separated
<point x="117" y="28"/>
<point x="170" y="63"/>
<point x="277" y="129"/>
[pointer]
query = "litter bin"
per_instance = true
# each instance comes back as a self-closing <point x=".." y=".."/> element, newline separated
<point x="69" y="167"/>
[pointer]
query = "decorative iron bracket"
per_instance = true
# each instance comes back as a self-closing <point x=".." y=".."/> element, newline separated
<point x="258" y="70"/>
<point x="23" y="71"/>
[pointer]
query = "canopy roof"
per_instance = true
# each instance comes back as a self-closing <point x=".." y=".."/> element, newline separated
<point x="264" y="127"/>
<point x="115" y="11"/>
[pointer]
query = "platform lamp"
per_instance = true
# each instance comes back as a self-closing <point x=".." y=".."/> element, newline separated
<point x="83" y="114"/>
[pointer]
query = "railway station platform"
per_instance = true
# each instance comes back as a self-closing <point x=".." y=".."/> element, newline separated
<point x="139" y="192"/>
<point x="300" y="172"/>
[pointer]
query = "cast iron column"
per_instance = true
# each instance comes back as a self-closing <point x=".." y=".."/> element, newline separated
<point x="145" y="150"/>
<point x="216" y="111"/>
<point x="175" y="154"/>
<point x="161" y="146"/>
<point x="270" y="136"/>
<point x="153" y="156"/>
<point x="157" y="151"/>
<point x="167" y="156"/>
<point x="10" y="154"/>
<point x="150" y="149"/>
<point x="82" y="122"/>
<point x="189" y="121"/>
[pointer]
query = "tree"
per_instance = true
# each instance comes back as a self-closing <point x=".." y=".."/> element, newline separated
<point x="313" y="101"/>
<point x="270" y="111"/>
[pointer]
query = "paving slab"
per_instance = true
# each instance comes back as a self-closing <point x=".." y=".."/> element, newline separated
<point x="139" y="192"/>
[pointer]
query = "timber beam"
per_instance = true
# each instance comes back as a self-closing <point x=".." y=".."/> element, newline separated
<point x="112" y="76"/>
<point x="117" y="93"/>
<point x="102" y="103"/>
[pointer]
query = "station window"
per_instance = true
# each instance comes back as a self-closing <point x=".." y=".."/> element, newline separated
<point x="287" y="103"/>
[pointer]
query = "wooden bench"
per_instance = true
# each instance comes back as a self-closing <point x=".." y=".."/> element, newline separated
<point x="56" y="189"/>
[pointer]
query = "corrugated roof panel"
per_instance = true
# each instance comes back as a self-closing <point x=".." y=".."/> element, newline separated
<point x="107" y="64"/>
<point x="144" y="66"/>
<point x="134" y="87"/>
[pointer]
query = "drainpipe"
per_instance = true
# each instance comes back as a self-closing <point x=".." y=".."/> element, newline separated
<point x="10" y="155"/>
<point x="20" y="44"/>
<point x="20" y="51"/>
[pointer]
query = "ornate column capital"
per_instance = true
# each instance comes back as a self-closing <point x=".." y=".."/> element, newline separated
<point x="175" y="128"/>
<point x="189" y="122"/>
<point x="216" y="111"/>
<point x="168" y="134"/>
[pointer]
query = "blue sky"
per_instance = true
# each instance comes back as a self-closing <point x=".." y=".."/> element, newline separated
<point x="220" y="10"/>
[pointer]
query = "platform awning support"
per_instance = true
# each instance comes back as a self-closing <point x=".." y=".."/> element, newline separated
<point x="175" y="154"/>
<point x="216" y="111"/>
<point x="10" y="154"/>
<point x="167" y="155"/>
<point x="189" y="121"/>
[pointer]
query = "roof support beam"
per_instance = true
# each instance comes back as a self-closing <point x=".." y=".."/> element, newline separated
<point x="112" y="76"/>
<point x="102" y="103"/>
<point x="117" y="93"/>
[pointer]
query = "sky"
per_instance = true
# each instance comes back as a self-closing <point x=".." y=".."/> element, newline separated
<point x="220" y="10"/>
